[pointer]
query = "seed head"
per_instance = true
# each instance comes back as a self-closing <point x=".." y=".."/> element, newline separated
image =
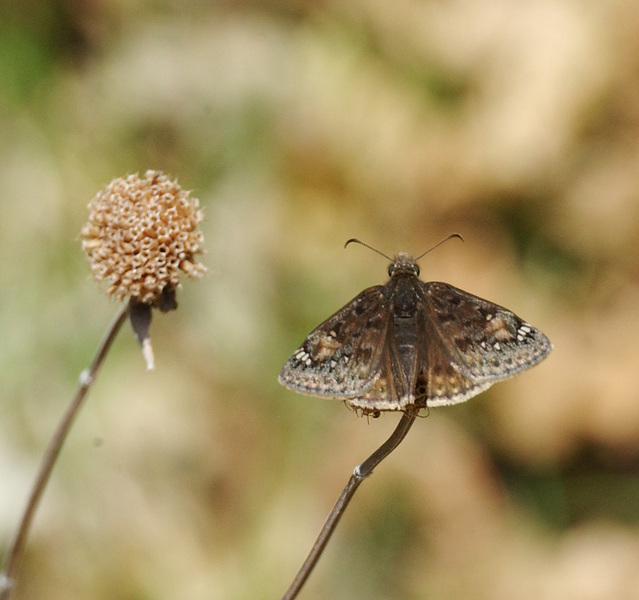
<point x="141" y="235"/>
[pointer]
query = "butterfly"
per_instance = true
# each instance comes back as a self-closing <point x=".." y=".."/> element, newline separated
<point x="409" y="344"/>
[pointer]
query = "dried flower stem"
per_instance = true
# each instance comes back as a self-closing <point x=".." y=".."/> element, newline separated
<point x="87" y="377"/>
<point x="359" y="474"/>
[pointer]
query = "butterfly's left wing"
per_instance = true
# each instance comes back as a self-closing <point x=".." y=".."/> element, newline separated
<point x="485" y="342"/>
<point x="341" y="357"/>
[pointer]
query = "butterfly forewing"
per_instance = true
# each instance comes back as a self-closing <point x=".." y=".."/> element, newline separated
<point x="341" y="357"/>
<point x="485" y="341"/>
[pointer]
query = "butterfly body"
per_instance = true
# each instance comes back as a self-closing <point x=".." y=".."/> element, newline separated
<point x="409" y="344"/>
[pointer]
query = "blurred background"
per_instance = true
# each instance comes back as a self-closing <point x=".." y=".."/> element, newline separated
<point x="299" y="125"/>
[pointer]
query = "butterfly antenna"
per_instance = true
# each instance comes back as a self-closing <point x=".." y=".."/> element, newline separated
<point x="448" y="237"/>
<point x="356" y="241"/>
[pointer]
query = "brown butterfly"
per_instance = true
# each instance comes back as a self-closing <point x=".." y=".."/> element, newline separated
<point x="408" y="344"/>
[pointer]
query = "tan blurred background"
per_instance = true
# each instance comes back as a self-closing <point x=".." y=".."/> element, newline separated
<point x="299" y="125"/>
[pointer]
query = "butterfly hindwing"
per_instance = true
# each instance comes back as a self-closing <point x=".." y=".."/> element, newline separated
<point x="393" y="388"/>
<point x="440" y="381"/>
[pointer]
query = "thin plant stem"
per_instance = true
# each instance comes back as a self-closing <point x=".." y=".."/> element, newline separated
<point x="360" y="472"/>
<point x="87" y="377"/>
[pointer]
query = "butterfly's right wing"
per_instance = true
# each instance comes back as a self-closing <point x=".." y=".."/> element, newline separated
<point x="342" y="357"/>
<point x="485" y="342"/>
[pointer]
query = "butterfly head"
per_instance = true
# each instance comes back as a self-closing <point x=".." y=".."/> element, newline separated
<point x="403" y="264"/>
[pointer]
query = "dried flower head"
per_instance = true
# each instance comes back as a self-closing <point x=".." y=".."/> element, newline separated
<point x="141" y="234"/>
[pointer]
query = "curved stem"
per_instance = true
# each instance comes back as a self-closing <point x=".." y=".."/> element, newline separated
<point x="360" y="472"/>
<point x="87" y="377"/>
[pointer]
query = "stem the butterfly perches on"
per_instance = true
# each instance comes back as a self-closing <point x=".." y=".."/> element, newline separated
<point x="360" y="472"/>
